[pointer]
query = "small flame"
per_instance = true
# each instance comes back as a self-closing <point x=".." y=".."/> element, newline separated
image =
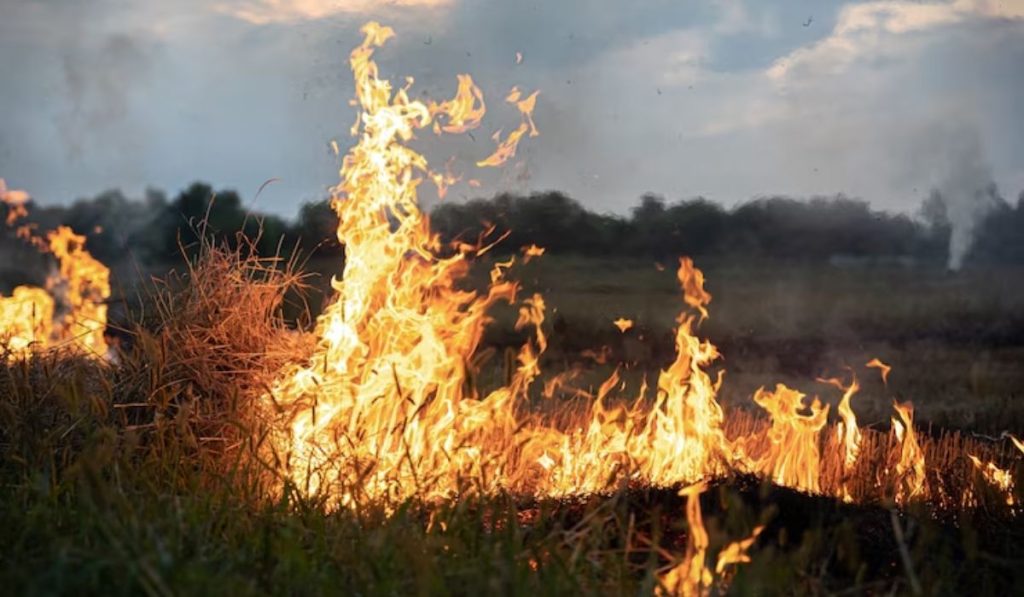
<point x="623" y="324"/>
<point x="15" y="200"/>
<point x="910" y="470"/>
<point x="1000" y="478"/>
<point x="531" y="251"/>
<point x="507" y="149"/>
<point x="882" y="367"/>
<point x="1017" y="443"/>
<point x="848" y="431"/>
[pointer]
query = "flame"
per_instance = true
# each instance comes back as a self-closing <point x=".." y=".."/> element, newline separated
<point x="882" y="367"/>
<point x="847" y="430"/>
<point x="1000" y="478"/>
<point x="507" y="148"/>
<point x="388" y="407"/>
<point x="692" y="576"/>
<point x="15" y="200"/>
<point x="463" y="112"/>
<point x="793" y="457"/>
<point x="1017" y="443"/>
<point x="531" y="251"/>
<point x="382" y="408"/>
<point x="84" y="284"/>
<point x="72" y="310"/>
<point x="26" y="320"/>
<point x="910" y="475"/>
<point x="623" y="324"/>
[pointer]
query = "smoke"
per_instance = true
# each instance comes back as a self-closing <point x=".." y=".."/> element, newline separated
<point x="98" y="80"/>
<point x="968" y="193"/>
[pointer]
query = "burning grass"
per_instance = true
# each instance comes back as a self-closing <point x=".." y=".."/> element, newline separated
<point x="148" y="474"/>
<point x="369" y="454"/>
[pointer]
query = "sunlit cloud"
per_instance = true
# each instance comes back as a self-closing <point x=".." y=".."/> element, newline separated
<point x="262" y="12"/>
<point x="862" y="28"/>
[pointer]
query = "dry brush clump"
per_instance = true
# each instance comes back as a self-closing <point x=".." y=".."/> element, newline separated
<point x="183" y="388"/>
<point x="216" y="336"/>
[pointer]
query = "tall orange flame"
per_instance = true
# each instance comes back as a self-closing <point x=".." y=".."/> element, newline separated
<point x="910" y="475"/>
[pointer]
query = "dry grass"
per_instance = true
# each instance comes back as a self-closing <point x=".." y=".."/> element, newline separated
<point x="144" y="475"/>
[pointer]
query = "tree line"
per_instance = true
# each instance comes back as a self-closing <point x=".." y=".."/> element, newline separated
<point x="154" y="229"/>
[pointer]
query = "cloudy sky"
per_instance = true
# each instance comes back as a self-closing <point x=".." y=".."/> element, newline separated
<point x="728" y="99"/>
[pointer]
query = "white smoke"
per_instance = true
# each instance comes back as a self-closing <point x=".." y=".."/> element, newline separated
<point x="968" y="193"/>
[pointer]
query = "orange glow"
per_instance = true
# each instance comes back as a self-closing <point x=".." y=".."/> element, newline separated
<point x="623" y="324"/>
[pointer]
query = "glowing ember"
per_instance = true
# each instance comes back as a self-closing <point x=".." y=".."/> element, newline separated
<point x="623" y="324"/>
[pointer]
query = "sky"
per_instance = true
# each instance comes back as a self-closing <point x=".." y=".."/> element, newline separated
<point x="725" y="99"/>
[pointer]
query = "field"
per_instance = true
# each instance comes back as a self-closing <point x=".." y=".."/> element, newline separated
<point x="133" y="478"/>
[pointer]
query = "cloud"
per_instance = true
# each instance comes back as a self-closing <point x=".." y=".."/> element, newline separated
<point x="726" y="99"/>
<point x="262" y="12"/>
<point x="862" y="29"/>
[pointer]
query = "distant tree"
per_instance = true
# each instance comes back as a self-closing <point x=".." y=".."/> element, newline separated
<point x="999" y="237"/>
<point x="316" y="228"/>
<point x="220" y="216"/>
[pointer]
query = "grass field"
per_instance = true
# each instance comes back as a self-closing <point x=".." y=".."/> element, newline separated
<point x="131" y="478"/>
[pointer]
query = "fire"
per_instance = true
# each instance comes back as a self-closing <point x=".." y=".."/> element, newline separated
<point x="26" y="319"/>
<point x="1001" y="479"/>
<point x="692" y="576"/>
<point x="623" y="324"/>
<point x="15" y="200"/>
<point x="882" y="368"/>
<point x="1017" y="443"/>
<point x="72" y="310"/>
<point x="910" y="475"/>
<point x="793" y="457"/>
<point x="388" y="407"/>
<point x="847" y="430"/>
<point x="532" y="251"/>
<point x="507" y="147"/>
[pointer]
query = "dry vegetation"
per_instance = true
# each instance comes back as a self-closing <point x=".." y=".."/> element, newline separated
<point x="148" y="474"/>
